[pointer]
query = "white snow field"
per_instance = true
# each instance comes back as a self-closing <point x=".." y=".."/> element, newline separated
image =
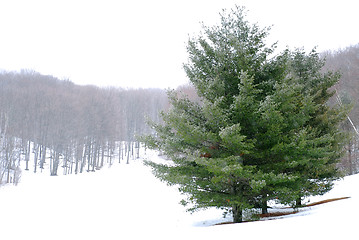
<point x="127" y="202"/>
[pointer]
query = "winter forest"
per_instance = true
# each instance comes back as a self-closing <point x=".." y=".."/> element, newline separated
<point x="74" y="128"/>
<point x="347" y="62"/>
<point x="69" y="128"/>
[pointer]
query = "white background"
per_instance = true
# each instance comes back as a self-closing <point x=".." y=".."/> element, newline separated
<point x="143" y="43"/>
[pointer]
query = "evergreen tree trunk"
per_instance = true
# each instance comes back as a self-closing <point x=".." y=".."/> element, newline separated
<point x="264" y="206"/>
<point x="237" y="214"/>
<point x="298" y="202"/>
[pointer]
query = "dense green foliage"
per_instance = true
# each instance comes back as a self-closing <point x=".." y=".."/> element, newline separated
<point x="262" y="131"/>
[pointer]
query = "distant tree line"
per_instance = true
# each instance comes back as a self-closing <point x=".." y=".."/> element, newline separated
<point x="67" y="126"/>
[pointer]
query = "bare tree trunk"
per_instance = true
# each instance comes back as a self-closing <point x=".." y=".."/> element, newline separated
<point x="79" y="154"/>
<point x="2" y="172"/>
<point x="43" y="157"/>
<point x="110" y="150"/>
<point x="89" y="156"/>
<point x="71" y="164"/>
<point x="54" y="163"/>
<point x="102" y="156"/>
<point x="132" y="150"/>
<point x="120" y="152"/>
<point x="17" y="173"/>
<point x="36" y="153"/>
<point x="8" y="158"/>
<point x="128" y="153"/>
<point x="355" y="148"/>
<point x="126" y="148"/>
<point x="350" y="162"/>
<point x="77" y="157"/>
<point x="138" y="149"/>
<point x="71" y="152"/>
<point x="64" y="163"/>
<point x="27" y="154"/>
<point x="83" y="159"/>
<point x="94" y="156"/>
<point x="16" y="168"/>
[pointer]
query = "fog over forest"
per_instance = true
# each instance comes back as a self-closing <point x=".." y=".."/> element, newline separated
<point x="72" y="128"/>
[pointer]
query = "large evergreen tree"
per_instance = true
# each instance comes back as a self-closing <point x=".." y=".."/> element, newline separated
<point x="262" y="130"/>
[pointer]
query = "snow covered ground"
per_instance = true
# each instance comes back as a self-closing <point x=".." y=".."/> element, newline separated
<point x="128" y="202"/>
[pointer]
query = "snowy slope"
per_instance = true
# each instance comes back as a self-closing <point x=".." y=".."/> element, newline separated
<point x="128" y="202"/>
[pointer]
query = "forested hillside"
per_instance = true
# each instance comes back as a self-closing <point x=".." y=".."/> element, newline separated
<point x="69" y="125"/>
<point x="347" y="62"/>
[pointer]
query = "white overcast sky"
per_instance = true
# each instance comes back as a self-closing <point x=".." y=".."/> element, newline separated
<point x="142" y="43"/>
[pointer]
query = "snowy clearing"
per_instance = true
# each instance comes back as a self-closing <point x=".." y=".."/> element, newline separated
<point x="127" y="201"/>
